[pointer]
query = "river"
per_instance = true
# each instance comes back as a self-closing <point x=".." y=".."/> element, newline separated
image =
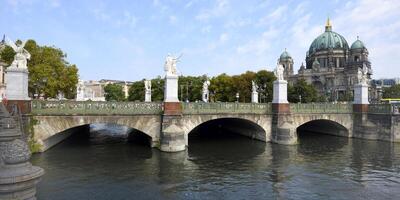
<point x="220" y="166"/>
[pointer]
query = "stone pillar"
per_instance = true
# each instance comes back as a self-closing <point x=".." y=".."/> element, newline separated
<point x="254" y="97"/>
<point x="18" y="178"/>
<point x="171" y="88"/>
<point x="283" y="131"/>
<point x="147" y="97"/>
<point x="17" y="83"/>
<point x="280" y="103"/>
<point x="172" y="136"/>
<point x="360" y="104"/>
<point x="362" y="127"/>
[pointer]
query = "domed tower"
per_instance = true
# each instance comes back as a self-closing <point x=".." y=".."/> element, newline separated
<point x="358" y="51"/>
<point x="287" y="61"/>
<point x="329" y="48"/>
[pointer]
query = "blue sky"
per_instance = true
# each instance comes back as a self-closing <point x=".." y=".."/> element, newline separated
<point x="129" y="39"/>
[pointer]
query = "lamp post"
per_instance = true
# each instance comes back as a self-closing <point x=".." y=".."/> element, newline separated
<point x="237" y="97"/>
<point x="300" y="98"/>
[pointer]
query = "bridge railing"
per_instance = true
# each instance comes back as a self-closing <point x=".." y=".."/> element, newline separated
<point x="94" y="108"/>
<point x="226" y="108"/>
<point x="321" y="108"/>
<point x="384" y="108"/>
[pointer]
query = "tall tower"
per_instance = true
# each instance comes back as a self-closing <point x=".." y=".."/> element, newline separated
<point x="286" y="60"/>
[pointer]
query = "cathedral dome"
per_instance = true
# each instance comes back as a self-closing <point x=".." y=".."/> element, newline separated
<point x="328" y="40"/>
<point x="358" y="44"/>
<point x="285" y="55"/>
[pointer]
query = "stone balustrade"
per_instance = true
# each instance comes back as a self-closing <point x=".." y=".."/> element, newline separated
<point x="94" y="108"/>
<point x="321" y="108"/>
<point x="226" y="108"/>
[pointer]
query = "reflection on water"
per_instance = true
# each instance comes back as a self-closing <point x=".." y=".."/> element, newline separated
<point x="221" y="167"/>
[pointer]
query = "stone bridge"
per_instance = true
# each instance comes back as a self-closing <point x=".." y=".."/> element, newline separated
<point x="168" y="126"/>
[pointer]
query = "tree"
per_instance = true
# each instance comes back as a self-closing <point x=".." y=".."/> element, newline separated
<point x="49" y="72"/>
<point x="264" y="80"/>
<point x="114" y="92"/>
<point x="302" y="91"/>
<point x="136" y="91"/>
<point x="391" y="92"/>
<point x="223" y="88"/>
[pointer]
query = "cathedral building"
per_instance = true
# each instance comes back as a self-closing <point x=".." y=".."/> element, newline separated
<point x="331" y="65"/>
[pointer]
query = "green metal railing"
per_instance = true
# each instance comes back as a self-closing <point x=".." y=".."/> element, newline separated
<point x="321" y="108"/>
<point x="94" y="108"/>
<point x="226" y="108"/>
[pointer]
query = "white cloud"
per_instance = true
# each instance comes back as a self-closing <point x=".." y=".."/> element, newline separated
<point x="238" y="23"/>
<point x="161" y="6"/>
<point x="173" y="19"/>
<point x="274" y="16"/>
<point x="260" y="45"/>
<point x="377" y="23"/>
<point x="206" y="29"/>
<point x="219" y="9"/>
<point x="223" y="37"/>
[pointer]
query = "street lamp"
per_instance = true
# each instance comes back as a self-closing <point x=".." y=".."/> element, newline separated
<point x="237" y="97"/>
<point x="300" y="98"/>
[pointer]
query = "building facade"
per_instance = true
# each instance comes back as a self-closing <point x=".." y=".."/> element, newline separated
<point x="331" y="65"/>
<point x="94" y="90"/>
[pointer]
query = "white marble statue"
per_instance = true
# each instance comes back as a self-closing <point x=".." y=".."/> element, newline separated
<point x="21" y="56"/>
<point x="147" y="85"/>
<point x="170" y="64"/>
<point x="254" y="87"/>
<point x="206" y="92"/>
<point x="362" y="75"/>
<point x="279" y="72"/>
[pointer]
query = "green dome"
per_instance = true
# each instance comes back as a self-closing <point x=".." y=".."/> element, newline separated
<point x="285" y="55"/>
<point x="358" y="44"/>
<point x="328" y="40"/>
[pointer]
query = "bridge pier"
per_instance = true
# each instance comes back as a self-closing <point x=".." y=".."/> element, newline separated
<point x="283" y="130"/>
<point x="172" y="137"/>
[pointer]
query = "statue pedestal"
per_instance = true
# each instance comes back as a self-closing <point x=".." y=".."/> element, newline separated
<point x="147" y="97"/>
<point x="17" y="83"/>
<point x="254" y="97"/>
<point x="280" y="92"/>
<point x="361" y="94"/>
<point x="171" y="88"/>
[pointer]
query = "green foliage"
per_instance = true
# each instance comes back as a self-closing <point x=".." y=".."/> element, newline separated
<point x="7" y="55"/>
<point x="308" y="93"/>
<point x="191" y="87"/>
<point x="49" y="72"/>
<point x="114" y="92"/>
<point x="222" y="88"/>
<point x="392" y="92"/>
<point x="34" y="147"/>
<point x="136" y="91"/>
<point x="264" y="81"/>
<point x="157" y="87"/>
<point x="347" y="96"/>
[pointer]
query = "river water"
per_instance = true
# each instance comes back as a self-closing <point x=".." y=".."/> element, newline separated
<point x="220" y="166"/>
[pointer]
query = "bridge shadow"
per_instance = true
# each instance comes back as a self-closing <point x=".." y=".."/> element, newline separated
<point x="322" y="135"/>
<point x="100" y="134"/>
<point x="222" y="138"/>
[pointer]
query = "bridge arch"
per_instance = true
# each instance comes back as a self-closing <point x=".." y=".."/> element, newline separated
<point x="50" y="130"/>
<point x="323" y="126"/>
<point x="253" y="126"/>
